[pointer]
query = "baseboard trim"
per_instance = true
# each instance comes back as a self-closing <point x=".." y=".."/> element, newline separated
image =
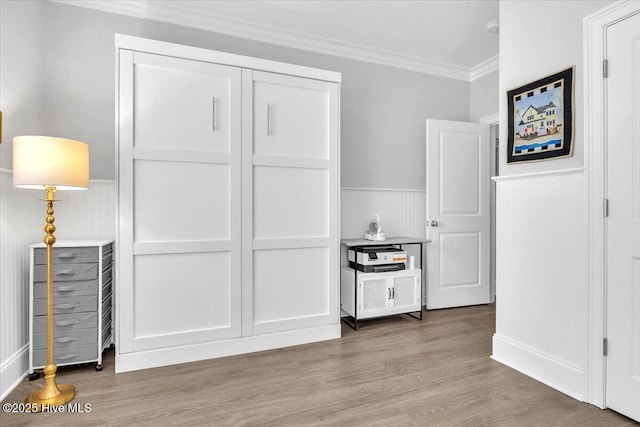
<point x="193" y="353"/>
<point x="13" y="371"/>
<point x="562" y="376"/>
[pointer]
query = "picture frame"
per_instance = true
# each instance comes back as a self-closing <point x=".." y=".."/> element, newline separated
<point x="540" y="119"/>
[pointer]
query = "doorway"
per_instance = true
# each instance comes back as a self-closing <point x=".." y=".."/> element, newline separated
<point x="495" y="171"/>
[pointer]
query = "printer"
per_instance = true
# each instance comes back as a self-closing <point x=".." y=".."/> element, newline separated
<point x="377" y="259"/>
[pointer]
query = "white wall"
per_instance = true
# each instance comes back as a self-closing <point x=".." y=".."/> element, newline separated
<point x="542" y="311"/>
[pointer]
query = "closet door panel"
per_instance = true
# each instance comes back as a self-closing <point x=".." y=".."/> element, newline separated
<point x="291" y="289"/>
<point x="185" y="297"/>
<point x="290" y="202"/>
<point x="290" y="211"/>
<point x="182" y="104"/>
<point x="201" y="217"/>
<point x="179" y="143"/>
<point x="291" y="116"/>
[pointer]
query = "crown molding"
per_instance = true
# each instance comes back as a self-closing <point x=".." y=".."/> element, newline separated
<point x="484" y="68"/>
<point x="160" y="11"/>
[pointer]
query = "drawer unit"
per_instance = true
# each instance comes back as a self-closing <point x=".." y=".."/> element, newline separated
<point x="82" y="302"/>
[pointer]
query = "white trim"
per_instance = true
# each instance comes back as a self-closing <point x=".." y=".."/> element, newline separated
<point x="175" y="355"/>
<point x="484" y="68"/>
<point x="15" y="368"/>
<point x="9" y="172"/>
<point x="159" y="11"/>
<point x="549" y="370"/>
<point x="140" y="44"/>
<point x="537" y="174"/>
<point x="594" y="46"/>
<point x="492" y="119"/>
<point x="393" y="190"/>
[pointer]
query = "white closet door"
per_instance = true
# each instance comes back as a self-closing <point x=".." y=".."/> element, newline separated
<point x="622" y="391"/>
<point x="290" y="202"/>
<point x="179" y="202"/>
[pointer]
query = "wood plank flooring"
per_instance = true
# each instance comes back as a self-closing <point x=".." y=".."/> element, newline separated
<point x="395" y="371"/>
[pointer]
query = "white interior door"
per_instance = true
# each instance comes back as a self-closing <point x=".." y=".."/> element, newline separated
<point x="458" y="213"/>
<point x="623" y="224"/>
<point x="178" y="202"/>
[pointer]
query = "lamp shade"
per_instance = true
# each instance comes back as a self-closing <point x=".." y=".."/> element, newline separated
<point x="40" y="161"/>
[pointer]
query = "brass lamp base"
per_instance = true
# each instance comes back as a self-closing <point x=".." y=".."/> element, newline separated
<point x="41" y="403"/>
<point x="52" y="394"/>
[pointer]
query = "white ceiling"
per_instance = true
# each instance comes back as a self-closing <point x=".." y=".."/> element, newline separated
<point x="443" y="37"/>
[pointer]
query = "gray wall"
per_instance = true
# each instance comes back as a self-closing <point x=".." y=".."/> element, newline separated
<point x="484" y="97"/>
<point x="21" y="71"/>
<point x="383" y="109"/>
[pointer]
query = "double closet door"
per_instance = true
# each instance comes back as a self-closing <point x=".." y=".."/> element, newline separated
<point x="227" y="202"/>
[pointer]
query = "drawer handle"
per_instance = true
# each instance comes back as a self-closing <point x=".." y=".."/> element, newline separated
<point x="68" y="255"/>
<point x="66" y="339"/>
<point x="67" y="306"/>
<point x="67" y="356"/>
<point x="67" y="288"/>
<point x="67" y="322"/>
<point x="65" y="272"/>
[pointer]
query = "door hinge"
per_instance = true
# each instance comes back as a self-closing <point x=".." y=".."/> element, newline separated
<point x="605" y="208"/>
<point x="605" y="346"/>
<point x="605" y="68"/>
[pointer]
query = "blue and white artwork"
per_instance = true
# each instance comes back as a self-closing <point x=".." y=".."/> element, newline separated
<point x="538" y="115"/>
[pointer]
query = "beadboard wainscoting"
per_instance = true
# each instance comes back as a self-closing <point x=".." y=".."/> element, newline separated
<point x="542" y="310"/>
<point x="79" y="215"/>
<point x="402" y="212"/>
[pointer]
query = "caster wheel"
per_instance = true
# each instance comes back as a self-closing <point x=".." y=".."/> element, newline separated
<point x="98" y="368"/>
<point x="34" y="376"/>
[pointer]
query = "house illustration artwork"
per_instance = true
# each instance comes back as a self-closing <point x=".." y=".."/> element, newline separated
<point x="540" y="121"/>
<point x="538" y="118"/>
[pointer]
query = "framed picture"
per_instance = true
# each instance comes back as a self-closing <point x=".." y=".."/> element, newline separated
<point x="540" y="117"/>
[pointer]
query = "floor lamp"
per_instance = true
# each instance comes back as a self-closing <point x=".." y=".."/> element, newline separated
<point x="42" y="162"/>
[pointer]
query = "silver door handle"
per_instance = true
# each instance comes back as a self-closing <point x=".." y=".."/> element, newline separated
<point x="434" y="223"/>
<point x="214" y="126"/>
<point x="268" y="119"/>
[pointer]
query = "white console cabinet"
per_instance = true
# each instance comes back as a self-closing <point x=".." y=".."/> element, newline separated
<point x="380" y="294"/>
<point x="369" y="295"/>
<point x="228" y="204"/>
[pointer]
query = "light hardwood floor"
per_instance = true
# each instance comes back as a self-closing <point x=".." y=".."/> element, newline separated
<point x="396" y="371"/>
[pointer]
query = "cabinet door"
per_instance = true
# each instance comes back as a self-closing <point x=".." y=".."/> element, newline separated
<point x="178" y="202"/>
<point x="290" y="206"/>
<point x="374" y="297"/>
<point x="406" y="294"/>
